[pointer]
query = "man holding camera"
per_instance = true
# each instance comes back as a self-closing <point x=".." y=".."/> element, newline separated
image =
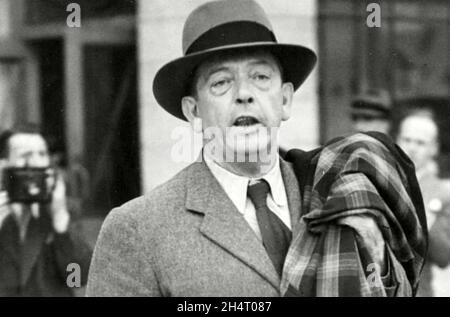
<point x="36" y="242"/>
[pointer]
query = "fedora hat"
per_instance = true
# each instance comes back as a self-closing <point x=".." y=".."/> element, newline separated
<point x="222" y="26"/>
<point x="372" y="103"/>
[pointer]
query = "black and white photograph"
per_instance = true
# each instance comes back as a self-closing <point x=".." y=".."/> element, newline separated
<point x="224" y="149"/>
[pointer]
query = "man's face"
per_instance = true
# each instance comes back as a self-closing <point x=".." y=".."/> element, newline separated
<point x="244" y="93"/>
<point x="28" y="149"/>
<point x="418" y="138"/>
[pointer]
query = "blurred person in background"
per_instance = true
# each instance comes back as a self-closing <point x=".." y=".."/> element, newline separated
<point x="75" y="175"/>
<point x="418" y="136"/>
<point x="371" y="111"/>
<point x="37" y="242"/>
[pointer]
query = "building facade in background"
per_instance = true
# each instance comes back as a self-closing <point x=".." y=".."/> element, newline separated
<point x="79" y="84"/>
<point x="90" y="87"/>
<point x="408" y="55"/>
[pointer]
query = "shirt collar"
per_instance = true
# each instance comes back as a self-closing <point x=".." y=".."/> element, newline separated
<point x="235" y="186"/>
<point x="276" y="183"/>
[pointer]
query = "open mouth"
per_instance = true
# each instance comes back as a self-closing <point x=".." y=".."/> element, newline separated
<point x="245" y="121"/>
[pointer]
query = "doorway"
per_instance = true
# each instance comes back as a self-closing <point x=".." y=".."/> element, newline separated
<point x="111" y="126"/>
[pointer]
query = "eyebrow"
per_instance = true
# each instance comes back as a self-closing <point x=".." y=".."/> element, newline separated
<point x="217" y="69"/>
<point x="261" y="62"/>
<point x="214" y="70"/>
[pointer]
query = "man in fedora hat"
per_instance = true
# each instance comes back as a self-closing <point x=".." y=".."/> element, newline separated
<point x="371" y="111"/>
<point x="223" y="225"/>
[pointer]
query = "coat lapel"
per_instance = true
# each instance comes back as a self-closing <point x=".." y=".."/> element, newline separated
<point x="293" y="193"/>
<point x="224" y="225"/>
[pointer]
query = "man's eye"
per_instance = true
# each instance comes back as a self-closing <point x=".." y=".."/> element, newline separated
<point x="219" y="83"/>
<point x="261" y="77"/>
<point x="219" y="87"/>
<point x="261" y="80"/>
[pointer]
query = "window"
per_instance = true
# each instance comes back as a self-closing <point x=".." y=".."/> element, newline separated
<point x="408" y="55"/>
<point x="11" y="97"/>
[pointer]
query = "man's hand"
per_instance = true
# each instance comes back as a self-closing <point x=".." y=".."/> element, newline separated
<point x="58" y="208"/>
<point x="368" y="230"/>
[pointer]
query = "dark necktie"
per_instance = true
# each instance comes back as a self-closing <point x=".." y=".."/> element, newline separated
<point x="275" y="235"/>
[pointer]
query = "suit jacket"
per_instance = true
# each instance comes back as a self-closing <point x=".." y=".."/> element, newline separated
<point x="436" y="190"/>
<point x="37" y="267"/>
<point x="185" y="238"/>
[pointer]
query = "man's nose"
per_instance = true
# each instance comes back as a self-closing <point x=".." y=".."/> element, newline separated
<point x="243" y="93"/>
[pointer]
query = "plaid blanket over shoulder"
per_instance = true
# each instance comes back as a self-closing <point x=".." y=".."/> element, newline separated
<point x="360" y="174"/>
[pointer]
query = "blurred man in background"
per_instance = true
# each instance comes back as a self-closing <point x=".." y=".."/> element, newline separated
<point x="418" y="136"/>
<point x="36" y="240"/>
<point x="371" y="111"/>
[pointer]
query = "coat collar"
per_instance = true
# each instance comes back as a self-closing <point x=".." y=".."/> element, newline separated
<point x="225" y="226"/>
<point x="235" y="186"/>
<point x="292" y="192"/>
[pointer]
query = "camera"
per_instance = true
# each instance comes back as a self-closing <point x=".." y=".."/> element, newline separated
<point x="29" y="184"/>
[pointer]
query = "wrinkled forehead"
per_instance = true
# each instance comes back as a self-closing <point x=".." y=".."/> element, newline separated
<point x="27" y="142"/>
<point x="245" y="57"/>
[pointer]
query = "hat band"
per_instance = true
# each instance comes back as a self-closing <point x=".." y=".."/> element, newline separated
<point x="230" y="34"/>
<point x="370" y="105"/>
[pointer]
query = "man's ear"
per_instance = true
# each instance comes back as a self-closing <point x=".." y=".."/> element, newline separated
<point x="3" y="163"/>
<point x="288" y="94"/>
<point x="190" y="111"/>
<point x="435" y="149"/>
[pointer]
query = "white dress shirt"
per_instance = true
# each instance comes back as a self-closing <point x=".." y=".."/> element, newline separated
<point x="235" y="186"/>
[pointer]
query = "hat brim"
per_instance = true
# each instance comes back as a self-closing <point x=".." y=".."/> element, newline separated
<point x="369" y="113"/>
<point x="171" y="81"/>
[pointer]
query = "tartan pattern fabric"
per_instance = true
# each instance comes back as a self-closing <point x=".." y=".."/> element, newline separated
<point x="362" y="174"/>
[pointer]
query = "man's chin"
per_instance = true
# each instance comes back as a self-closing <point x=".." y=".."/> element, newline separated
<point x="242" y="144"/>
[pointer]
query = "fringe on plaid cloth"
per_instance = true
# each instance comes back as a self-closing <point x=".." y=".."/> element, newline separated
<point x="367" y="174"/>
